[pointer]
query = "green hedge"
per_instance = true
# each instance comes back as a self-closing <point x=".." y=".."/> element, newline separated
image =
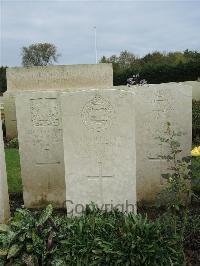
<point x="158" y="73"/>
<point x="196" y="119"/>
<point x="3" y="81"/>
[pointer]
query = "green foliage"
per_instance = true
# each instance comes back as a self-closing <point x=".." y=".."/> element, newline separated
<point x="13" y="144"/>
<point x="177" y="192"/>
<point x="39" y="54"/>
<point x="195" y="120"/>
<point x="13" y="170"/>
<point x="189" y="231"/>
<point x="196" y="175"/>
<point x="192" y="230"/>
<point x="3" y="81"/>
<point x="156" y="67"/>
<point x="96" y="238"/>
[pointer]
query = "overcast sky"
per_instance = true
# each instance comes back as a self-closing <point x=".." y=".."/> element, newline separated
<point x="137" y="26"/>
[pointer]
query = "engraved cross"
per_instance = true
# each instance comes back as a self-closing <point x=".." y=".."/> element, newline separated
<point x="100" y="178"/>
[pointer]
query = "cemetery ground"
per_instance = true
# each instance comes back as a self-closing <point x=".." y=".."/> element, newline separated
<point x="98" y="238"/>
<point x="81" y="148"/>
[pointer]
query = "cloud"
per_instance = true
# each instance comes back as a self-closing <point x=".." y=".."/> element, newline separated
<point x="139" y="27"/>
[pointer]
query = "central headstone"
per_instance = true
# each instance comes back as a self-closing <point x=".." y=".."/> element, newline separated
<point x="99" y="149"/>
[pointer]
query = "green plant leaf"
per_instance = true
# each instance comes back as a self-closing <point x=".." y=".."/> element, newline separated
<point x="4" y="228"/>
<point x="166" y="176"/>
<point x="46" y="214"/>
<point x="3" y="252"/>
<point x="13" y="251"/>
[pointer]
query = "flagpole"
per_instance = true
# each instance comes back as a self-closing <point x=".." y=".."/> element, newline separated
<point x="95" y="44"/>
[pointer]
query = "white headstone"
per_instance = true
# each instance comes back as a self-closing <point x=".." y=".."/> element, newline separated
<point x="59" y="77"/>
<point x="10" y="115"/>
<point x="99" y="149"/>
<point x="4" y="198"/>
<point x="155" y="106"/>
<point x="41" y="148"/>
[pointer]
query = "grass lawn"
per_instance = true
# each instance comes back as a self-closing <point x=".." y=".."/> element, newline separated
<point x="13" y="170"/>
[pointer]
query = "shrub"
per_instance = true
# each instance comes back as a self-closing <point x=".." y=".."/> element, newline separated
<point x="13" y="143"/>
<point x="158" y="73"/>
<point x="177" y="192"/>
<point x="95" y="238"/>
<point x="196" y="120"/>
<point x="196" y="175"/>
<point x="3" y="81"/>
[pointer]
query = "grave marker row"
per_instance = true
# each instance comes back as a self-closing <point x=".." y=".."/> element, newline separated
<point x="87" y="141"/>
<point x="98" y="145"/>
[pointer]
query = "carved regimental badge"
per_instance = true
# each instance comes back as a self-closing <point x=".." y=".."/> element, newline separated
<point x="97" y="113"/>
<point x="44" y="112"/>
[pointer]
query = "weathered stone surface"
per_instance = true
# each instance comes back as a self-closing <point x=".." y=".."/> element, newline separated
<point x="41" y="148"/>
<point x="59" y="77"/>
<point x="10" y="115"/>
<point x="155" y="106"/>
<point x="51" y="78"/>
<point x="99" y="148"/>
<point x="1" y="107"/>
<point x="195" y="89"/>
<point x="4" y="198"/>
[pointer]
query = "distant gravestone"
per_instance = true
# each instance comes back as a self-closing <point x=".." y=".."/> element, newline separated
<point x="195" y="89"/>
<point x="59" y="77"/>
<point x="155" y="106"/>
<point x="10" y="115"/>
<point x="51" y="78"/>
<point x="99" y="149"/>
<point x="4" y="198"/>
<point x="41" y="148"/>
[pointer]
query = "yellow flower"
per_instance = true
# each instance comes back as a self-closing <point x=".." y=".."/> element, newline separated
<point x="196" y="151"/>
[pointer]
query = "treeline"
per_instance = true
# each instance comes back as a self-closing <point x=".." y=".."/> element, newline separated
<point x="155" y="67"/>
